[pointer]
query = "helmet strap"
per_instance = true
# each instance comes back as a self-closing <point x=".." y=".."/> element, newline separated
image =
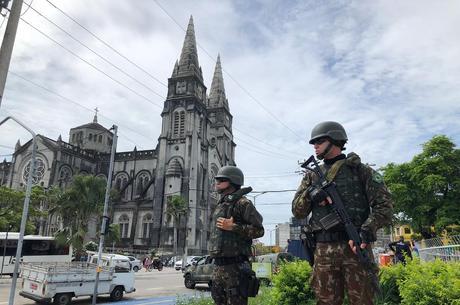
<point x="325" y="152"/>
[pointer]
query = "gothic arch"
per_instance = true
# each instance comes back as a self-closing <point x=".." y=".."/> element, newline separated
<point x="178" y="122"/>
<point x="121" y="183"/>
<point x="147" y="225"/>
<point x="142" y="181"/>
<point x="65" y="176"/>
<point x="123" y="222"/>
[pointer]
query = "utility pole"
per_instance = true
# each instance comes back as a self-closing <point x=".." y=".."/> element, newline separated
<point x="8" y="43"/>
<point x="105" y="216"/>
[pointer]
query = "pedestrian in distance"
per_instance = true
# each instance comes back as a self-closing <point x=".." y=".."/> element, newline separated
<point x="367" y="202"/>
<point x="401" y="250"/>
<point x="235" y="223"/>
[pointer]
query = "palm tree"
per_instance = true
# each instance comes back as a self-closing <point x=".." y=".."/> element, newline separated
<point x="113" y="235"/>
<point x="83" y="200"/>
<point x="176" y="207"/>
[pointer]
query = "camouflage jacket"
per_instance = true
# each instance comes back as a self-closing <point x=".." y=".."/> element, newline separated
<point x="377" y="196"/>
<point x="248" y="225"/>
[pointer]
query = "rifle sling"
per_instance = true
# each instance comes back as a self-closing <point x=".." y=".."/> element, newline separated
<point x="332" y="172"/>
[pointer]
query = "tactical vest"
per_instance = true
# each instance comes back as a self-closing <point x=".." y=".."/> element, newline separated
<point x="227" y="243"/>
<point x="352" y="192"/>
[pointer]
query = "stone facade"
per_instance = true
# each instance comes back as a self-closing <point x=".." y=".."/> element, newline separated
<point x="196" y="140"/>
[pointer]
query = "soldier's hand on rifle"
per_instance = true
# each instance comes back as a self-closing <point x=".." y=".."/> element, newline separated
<point x="225" y="223"/>
<point x="318" y="195"/>
<point x="353" y="247"/>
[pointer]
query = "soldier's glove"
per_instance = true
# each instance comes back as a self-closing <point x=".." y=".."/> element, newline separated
<point x="316" y="194"/>
<point x="367" y="236"/>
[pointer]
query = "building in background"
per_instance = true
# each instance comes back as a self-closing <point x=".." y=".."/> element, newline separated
<point x="196" y="140"/>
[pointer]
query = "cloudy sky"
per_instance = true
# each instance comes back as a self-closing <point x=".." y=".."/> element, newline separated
<point x="388" y="70"/>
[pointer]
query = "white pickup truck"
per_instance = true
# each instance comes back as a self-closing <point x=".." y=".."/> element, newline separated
<point x="60" y="282"/>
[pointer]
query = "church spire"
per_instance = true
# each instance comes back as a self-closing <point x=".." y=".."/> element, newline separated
<point x="95" y="115"/>
<point x="217" y="96"/>
<point x="188" y="63"/>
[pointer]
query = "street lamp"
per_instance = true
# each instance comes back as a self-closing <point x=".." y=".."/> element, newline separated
<point x="255" y="196"/>
<point x="25" y="209"/>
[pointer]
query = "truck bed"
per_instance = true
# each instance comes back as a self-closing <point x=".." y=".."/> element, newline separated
<point x="64" y="272"/>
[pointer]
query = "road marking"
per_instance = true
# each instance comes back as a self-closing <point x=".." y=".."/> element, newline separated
<point x="157" y="302"/>
<point x="165" y="288"/>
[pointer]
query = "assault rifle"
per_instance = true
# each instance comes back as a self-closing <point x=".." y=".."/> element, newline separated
<point x="337" y="205"/>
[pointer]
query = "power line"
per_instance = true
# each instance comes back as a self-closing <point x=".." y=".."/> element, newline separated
<point x="107" y="44"/>
<point x="28" y="7"/>
<point x="231" y="77"/>
<point x="97" y="54"/>
<point x="93" y="66"/>
<point x="267" y="151"/>
<point x="75" y="103"/>
<point x="263" y="142"/>
<point x="262" y="152"/>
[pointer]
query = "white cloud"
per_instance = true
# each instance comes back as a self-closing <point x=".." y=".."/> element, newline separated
<point x="389" y="71"/>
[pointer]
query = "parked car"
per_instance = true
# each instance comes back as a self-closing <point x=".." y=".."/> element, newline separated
<point x="189" y="261"/>
<point x="137" y="264"/>
<point x="199" y="272"/>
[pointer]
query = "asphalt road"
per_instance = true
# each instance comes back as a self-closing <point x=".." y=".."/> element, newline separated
<point x="156" y="287"/>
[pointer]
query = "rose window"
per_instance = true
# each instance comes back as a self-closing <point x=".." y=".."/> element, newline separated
<point x="39" y="171"/>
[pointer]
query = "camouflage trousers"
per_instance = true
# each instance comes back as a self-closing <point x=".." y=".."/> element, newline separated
<point x="225" y="284"/>
<point x="336" y="270"/>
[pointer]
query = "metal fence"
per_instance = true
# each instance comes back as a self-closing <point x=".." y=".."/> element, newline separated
<point x="443" y="248"/>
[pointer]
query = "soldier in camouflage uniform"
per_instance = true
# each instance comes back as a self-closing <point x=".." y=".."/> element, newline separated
<point x="235" y="223"/>
<point x="366" y="199"/>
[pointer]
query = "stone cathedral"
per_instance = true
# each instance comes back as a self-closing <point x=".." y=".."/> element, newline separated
<point x="196" y="140"/>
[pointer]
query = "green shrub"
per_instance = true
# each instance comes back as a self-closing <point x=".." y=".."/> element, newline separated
<point x="291" y="286"/>
<point x="420" y="283"/>
<point x="433" y="283"/>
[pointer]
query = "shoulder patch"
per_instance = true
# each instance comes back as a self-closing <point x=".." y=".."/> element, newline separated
<point x="377" y="177"/>
<point x="244" y="200"/>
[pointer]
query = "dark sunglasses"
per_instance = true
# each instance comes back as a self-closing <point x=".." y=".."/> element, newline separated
<point x="221" y="180"/>
<point x="320" y="141"/>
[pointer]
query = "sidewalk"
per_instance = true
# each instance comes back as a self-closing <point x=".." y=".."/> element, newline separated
<point x="6" y="280"/>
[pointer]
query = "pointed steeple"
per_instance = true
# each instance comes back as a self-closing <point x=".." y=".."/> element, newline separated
<point x="176" y="69"/>
<point x="59" y="139"/>
<point x="18" y="145"/>
<point x="188" y="63"/>
<point x="217" y="98"/>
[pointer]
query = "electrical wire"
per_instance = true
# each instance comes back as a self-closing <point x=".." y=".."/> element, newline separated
<point x="231" y="77"/>
<point x="98" y="55"/>
<point x="106" y="44"/>
<point x="28" y="7"/>
<point x="93" y="66"/>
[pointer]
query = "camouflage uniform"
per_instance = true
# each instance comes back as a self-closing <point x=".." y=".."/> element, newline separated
<point x="369" y="206"/>
<point x="231" y="249"/>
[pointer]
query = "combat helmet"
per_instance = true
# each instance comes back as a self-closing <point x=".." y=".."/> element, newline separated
<point x="330" y="129"/>
<point x="232" y="173"/>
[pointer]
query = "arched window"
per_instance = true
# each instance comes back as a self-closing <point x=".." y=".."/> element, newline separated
<point x="147" y="225"/>
<point x="179" y="123"/>
<point x="100" y="138"/>
<point x="123" y="221"/>
<point x="141" y="182"/>
<point x="65" y="176"/>
<point x="121" y="181"/>
<point x="90" y="137"/>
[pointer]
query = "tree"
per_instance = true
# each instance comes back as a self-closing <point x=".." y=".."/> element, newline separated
<point x="426" y="190"/>
<point x="113" y="234"/>
<point x="11" y="204"/>
<point x="176" y="207"/>
<point x="81" y="201"/>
